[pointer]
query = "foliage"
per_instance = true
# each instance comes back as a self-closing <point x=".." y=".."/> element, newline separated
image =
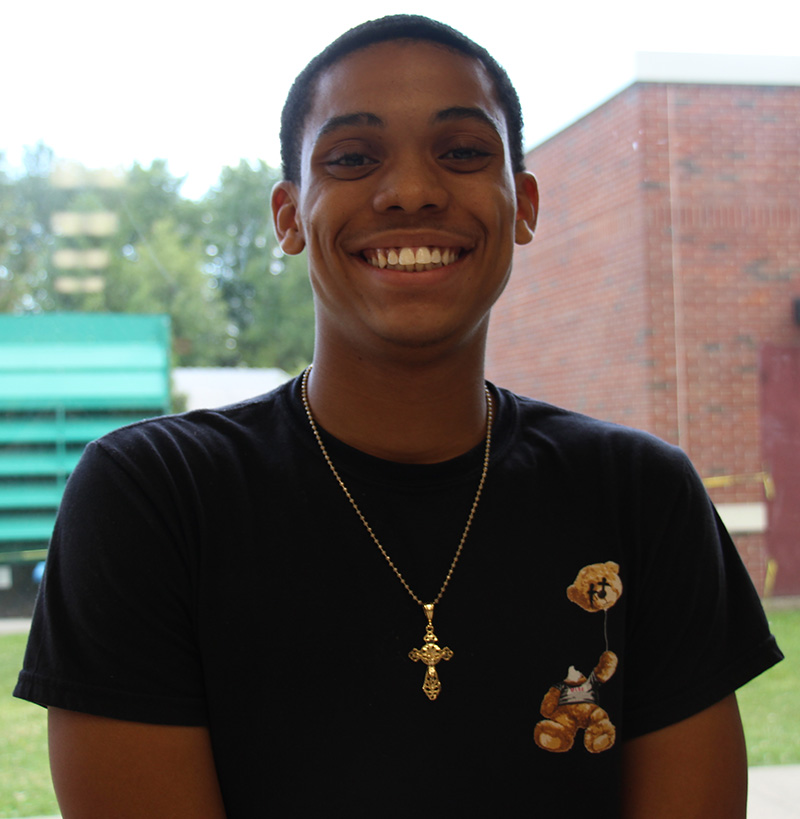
<point x="162" y="274"/>
<point x="267" y="294"/>
<point x="26" y="241"/>
<point x="213" y="265"/>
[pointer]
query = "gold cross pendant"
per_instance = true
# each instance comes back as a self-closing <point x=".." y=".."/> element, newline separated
<point x="430" y="654"/>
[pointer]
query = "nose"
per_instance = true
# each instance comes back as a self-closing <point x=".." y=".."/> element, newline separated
<point x="411" y="184"/>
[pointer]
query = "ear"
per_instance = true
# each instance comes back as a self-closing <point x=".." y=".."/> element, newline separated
<point x="527" y="207"/>
<point x="284" y="218"/>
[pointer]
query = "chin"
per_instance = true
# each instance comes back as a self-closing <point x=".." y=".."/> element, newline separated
<point x="440" y="338"/>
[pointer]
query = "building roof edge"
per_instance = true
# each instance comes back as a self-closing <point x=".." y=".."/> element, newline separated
<point x="727" y="69"/>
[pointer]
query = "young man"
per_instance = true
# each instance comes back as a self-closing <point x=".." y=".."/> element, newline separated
<point x="388" y="589"/>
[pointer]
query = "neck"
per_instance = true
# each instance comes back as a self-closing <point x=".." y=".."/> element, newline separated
<point x="405" y="412"/>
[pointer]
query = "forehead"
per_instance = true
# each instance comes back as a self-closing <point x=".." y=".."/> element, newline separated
<point x="400" y="79"/>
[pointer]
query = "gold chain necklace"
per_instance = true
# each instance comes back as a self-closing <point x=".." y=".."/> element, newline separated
<point x="430" y="653"/>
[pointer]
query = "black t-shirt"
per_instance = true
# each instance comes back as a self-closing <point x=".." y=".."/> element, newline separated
<point x="206" y="569"/>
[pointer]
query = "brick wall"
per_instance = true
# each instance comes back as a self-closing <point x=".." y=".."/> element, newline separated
<point x="572" y="325"/>
<point x="667" y="254"/>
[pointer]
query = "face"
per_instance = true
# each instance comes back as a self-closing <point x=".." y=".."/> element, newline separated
<point x="407" y="204"/>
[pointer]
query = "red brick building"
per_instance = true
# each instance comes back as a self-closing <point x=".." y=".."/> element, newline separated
<point x="662" y="290"/>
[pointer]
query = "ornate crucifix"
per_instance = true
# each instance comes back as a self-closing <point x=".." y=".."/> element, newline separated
<point x="430" y="654"/>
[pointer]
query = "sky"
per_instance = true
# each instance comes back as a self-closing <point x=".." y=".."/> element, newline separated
<point x="201" y="84"/>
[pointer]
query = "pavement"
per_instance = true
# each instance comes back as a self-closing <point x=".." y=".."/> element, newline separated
<point x="14" y="625"/>
<point x="773" y="793"/>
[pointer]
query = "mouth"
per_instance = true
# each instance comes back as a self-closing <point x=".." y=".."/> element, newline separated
<point x="411" y="259"/>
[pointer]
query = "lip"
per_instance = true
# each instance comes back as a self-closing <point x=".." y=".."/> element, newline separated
<point x="427" y="238"/>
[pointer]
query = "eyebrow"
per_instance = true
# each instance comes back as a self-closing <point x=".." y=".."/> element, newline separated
<point x="348" y="120"/>
<point x="463" y="112"/>
<point x="357" y="118"/>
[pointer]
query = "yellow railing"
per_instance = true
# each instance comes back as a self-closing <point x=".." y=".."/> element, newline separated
<point x="764" y="478"/>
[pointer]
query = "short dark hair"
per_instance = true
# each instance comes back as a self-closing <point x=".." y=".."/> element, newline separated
<point x="394" y="27"/>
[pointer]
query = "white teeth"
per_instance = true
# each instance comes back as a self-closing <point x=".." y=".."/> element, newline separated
<point x="409" y="259"/>
<point x="407" y="256"/>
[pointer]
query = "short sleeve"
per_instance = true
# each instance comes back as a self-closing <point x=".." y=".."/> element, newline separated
<point x="113" y="632"/>
<point x="696" y="627"/>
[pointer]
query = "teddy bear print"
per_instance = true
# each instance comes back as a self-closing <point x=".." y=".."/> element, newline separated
<point x="597" y="587"/>
<point x="573" y="704"/>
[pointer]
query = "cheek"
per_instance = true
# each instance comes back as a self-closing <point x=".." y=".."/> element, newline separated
<point x="317" y="237"/>
<point x="501" y="217"/>
<point x="322" y="223"/>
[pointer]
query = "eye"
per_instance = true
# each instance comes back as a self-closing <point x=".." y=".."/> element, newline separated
<point x="466" y="158"/>
<point x="352" y="160"/>
<point x="350" y="165"/>
<point x="464" y="153"/>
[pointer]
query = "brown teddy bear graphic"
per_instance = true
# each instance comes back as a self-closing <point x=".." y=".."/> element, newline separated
<point x="573" y="704"/>
<point x="597" y="587"/>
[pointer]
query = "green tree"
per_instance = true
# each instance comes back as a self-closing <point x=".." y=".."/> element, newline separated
<point x="213" y="265"/>
<point x="26" y="241"/>
<point x="267" y="294"/>
<point x="150" y="195"/>
<point x="162" y="273"/>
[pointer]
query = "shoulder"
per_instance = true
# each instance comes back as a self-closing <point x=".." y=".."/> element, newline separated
<point x="208" y="446"/>
<point x="579" y="442"/>
<point x="236" y="426"/>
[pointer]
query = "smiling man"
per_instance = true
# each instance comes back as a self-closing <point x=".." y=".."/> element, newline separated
<point x="407" y="202"/>
<point x="389" y="588"/>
